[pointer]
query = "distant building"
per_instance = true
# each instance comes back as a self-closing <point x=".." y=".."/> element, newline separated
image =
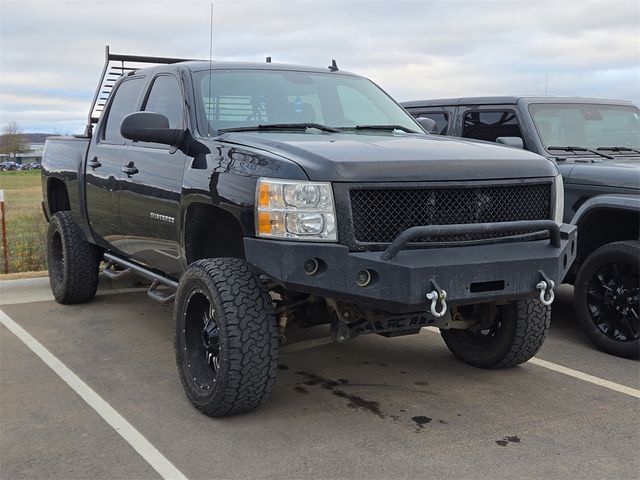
<point x="34" y="154"/>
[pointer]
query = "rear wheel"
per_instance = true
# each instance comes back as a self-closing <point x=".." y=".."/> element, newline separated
<point x="607" y="298"/>
<point x="72" y="261"/>
<point x="516" y="335"/>
<point x="226" y="337"/>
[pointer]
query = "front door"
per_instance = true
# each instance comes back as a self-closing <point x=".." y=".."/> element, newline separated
<point x="152" y="186"/>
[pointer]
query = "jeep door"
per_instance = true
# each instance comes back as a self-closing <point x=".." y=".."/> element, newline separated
<point x="104" y="162"/>
<point x="152" y="185"/>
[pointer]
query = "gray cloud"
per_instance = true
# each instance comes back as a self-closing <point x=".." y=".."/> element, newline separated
<point x="51" y="51"/>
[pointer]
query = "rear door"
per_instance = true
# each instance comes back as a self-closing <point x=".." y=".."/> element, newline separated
<point x="151" y="192"/>
<point x="104" y="162"/>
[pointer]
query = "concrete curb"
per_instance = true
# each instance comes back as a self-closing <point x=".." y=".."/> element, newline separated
<point x="29" y="290"/>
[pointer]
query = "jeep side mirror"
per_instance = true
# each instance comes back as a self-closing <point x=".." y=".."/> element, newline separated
<point x="511" y="141"/>
<point x="428" y="124"/>
<point x="149" y="127"/>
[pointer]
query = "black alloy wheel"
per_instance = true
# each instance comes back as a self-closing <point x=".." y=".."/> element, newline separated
<point x="607" y="298"/>
<point x="201" y="340"/>
<point x="612" y="299"/>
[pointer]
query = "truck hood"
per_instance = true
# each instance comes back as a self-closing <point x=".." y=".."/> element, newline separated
<point x="620" y="173"/>
<point x="363" y="157"/>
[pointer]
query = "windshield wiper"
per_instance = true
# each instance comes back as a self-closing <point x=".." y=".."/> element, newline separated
<point x="280" y="126"/>
<point x="619" y="149"/>
<point x="388" y="128"/>
<point x="581" y="149"/>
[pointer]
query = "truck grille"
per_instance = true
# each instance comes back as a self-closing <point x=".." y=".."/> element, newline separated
<point x="381" y="214"/>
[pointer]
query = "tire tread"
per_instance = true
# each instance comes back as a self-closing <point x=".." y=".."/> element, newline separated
<point x="252" y="348"/>
<point x="81" y="266"/>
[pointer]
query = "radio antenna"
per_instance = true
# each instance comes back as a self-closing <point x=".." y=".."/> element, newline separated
<point x="546" y="81"/>
<point x="210" y="104"/>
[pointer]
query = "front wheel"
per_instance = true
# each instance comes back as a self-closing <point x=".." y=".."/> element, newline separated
<point x="226" y="337"/>
<point x="516" y="335"/>
<point x="606" y="297"/>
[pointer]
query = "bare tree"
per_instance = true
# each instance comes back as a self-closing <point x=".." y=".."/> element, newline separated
<point x="12" y="140"/>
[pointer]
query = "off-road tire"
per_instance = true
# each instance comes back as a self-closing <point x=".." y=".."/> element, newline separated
<point x="519" y="332"/>
<point x="73" y="262"/>
<point x="247" y="335"/>
<point x="627" y="252"/>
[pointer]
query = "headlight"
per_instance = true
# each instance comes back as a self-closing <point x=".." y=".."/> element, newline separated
<point x="559" y="195"/>
<point x="296" y="210"/>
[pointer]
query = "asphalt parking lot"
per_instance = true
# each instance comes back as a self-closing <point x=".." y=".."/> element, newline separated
<point x="369" y="408"/>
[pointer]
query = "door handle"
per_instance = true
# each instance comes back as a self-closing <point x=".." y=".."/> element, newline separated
<point x="130" y="169"/>
<point x="94" y="163"/>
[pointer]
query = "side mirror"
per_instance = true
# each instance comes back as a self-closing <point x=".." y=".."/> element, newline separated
<point x="428" y="124"/>
<point x="515" y="142"/>
<point x="149" y="127"/>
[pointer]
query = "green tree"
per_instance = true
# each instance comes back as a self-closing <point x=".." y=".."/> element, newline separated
<point x="12" y="140"/>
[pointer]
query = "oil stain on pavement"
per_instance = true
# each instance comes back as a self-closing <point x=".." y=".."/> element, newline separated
<point x="507" y="440"/>
<point x="356" y="402"/>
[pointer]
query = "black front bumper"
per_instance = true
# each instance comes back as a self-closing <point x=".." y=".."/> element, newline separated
<point x="469" y="274"/>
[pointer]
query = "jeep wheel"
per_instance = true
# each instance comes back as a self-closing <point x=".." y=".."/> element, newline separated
<point x="515" y="336"/>
<point x="72" y="261"/>
<point x="606" y="298"/>
<point x="226" y="337"/>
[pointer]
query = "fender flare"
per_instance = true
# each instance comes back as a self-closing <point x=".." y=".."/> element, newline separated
<point x="628" y="202"/>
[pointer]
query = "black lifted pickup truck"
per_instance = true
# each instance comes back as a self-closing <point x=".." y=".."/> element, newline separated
<point x="255" y="195"/>
<point x="596" y="145"/>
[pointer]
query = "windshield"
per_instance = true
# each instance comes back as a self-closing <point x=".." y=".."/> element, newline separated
<point x="587" y="125"/>
<point x="247" y="98"/>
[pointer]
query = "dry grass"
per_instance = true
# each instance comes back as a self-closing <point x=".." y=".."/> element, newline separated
<point x="22" y="192"/>
<point x="26" y="226"/>
<point x="23" y="275"/>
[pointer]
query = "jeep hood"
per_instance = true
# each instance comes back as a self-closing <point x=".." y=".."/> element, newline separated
<point x="365" y="157"/>
<point x="618" y="173"/>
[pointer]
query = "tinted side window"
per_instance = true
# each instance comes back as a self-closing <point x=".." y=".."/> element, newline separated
<point x="441" y="119"/>
<point x="491" y="125"/>
<point x="166" y="98"/>
<point x="124" y="103"/>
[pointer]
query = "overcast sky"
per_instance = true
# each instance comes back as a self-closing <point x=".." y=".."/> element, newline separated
<point x="52" y="51"/>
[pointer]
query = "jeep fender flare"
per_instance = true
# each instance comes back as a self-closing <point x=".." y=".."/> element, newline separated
<point x="629" y="202"/>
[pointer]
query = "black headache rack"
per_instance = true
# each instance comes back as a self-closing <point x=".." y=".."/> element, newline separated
<point x="115" y="67"/>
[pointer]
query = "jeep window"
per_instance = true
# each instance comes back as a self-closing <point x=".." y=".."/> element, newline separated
<point x="124" y="103"/>
<point x="586" y="125"/>
<point x="245" y="98"/>
<point x="166" y="98"/>
<point x="489" y="125"/>
<point x="441" y="119"/>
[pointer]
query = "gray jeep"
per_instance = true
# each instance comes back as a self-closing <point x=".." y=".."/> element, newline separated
<point x="596" y="145"/>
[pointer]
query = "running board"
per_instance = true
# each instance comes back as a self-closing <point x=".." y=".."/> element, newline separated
<point x="156" y="279"/>
<point x="110" y="271"/>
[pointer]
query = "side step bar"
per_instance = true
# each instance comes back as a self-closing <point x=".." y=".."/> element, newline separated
<point x="156" y="278"/>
